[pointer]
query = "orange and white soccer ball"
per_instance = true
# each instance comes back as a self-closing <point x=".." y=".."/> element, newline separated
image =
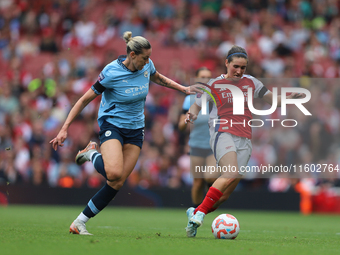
<point x="225" y="226"/>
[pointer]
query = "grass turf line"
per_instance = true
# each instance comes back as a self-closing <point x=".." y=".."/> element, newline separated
<point x="44" y="230"/>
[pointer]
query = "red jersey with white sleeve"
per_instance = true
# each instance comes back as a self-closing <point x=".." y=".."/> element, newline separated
<point x="222" y="118"/>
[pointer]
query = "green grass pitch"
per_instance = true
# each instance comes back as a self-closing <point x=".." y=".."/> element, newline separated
<point x="44" y="230"/>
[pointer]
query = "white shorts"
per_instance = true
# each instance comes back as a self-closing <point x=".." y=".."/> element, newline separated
<point x="222" y="142"/>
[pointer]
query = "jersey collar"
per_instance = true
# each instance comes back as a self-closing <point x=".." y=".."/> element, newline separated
<point x="120" y="60"/>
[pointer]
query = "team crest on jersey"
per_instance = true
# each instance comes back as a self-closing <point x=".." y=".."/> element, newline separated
<point x="245" y="87"/>
<point x="101" y="76"/>
<point x="146" y="74"/>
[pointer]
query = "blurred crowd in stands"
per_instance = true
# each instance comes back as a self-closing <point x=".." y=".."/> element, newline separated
<point x="52" y="51"/>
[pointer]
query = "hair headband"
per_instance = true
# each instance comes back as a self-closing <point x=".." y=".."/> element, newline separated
<point x="238" y="53"/>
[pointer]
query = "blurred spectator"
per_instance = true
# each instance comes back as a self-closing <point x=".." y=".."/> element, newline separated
<point x="29" y="22"/>
<point x="84" y="30"/>
<point x="227" y="11"/>
<point x="108" y="56"/>
<point x="279" y="183"/>
<point x="5" y="38"/>
<point x="38" y="137"/>
<point x="163" y="10"/>
<point x="48" y="41"/>
<point x="298" y="35"/>
<point x="27" y="46"/>
<point x="5" y="138"/>
<point x="8" y="102"/>
<point x="8" y="171"/>
<point x="92" y="177"/>
<point x="68" y="172"/>
<point x="70" y="40"/>
<point x="17" y="76"/>
<point x="87" y="62"/>
<point x="265" y="41"/>
<point x="38" y="166"/>
<point x="22" y="158"/>
<point x="132" y="22"/>
<point x="274" y="66"/>
<point x="184" y="168"/>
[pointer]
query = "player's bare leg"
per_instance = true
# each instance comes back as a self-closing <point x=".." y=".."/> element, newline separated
<point x="197" y="188"/>
<point x="228" y="179"/>
<point x="119" y="162"/>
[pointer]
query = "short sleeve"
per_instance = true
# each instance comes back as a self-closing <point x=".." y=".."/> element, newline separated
<point x="186" y="103"/>
<point x="152" y="68"/>
<point x="105" y="77"/>
<point x="98" y="88"/>
<point x="260" y="89"/>
<point x="198" y="97"/>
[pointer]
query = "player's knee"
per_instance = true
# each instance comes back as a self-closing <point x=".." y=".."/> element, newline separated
<point x="113" y="174"/>
<point x="119" y="184"/>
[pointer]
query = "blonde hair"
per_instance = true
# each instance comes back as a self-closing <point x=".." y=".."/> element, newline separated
<point x="136" y="44"/>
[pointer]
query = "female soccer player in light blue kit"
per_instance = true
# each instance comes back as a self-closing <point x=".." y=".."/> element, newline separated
<point x="201" y="154"/>
<point x="124" y="84"/>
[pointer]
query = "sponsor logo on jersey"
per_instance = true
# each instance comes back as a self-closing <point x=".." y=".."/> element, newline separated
<point x="141" y="88"/>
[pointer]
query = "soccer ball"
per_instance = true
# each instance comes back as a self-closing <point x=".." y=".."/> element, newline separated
<point x="225" y="226"/>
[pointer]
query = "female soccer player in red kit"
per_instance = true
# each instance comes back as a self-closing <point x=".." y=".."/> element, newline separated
<point x="231" y="144"/>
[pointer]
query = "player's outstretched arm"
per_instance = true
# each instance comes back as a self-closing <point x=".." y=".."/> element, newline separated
<point x="167" y="82"/>
<point x="76" y="109"/>
<point x="192" y="113"/>
<point x="269" y="97"/>
<point x="182" y="123"/>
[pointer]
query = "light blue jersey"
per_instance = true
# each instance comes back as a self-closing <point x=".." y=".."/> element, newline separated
<point x="199" y="133"/>
<point x="123" y="99"/>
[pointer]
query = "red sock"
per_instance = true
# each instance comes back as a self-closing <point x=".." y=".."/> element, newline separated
<point x="210" y="199"/>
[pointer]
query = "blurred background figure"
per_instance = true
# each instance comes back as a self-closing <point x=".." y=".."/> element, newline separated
<point x="201" y="155"/>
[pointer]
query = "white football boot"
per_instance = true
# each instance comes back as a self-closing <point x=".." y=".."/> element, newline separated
<point x="197" y="219"/>
<point x="190" y="229"/>
<point x="78" y="227"/>
<point x="84" y="155"/>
